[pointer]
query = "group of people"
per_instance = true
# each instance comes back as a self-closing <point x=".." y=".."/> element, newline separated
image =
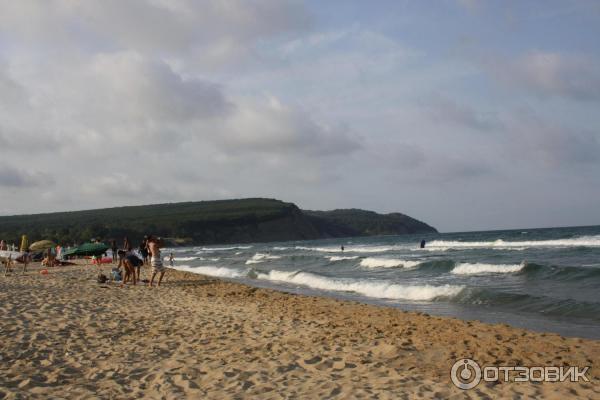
<point x="150" y="253"/>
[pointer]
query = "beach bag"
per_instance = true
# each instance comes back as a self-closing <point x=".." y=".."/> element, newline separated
<point x="116" y="274"/>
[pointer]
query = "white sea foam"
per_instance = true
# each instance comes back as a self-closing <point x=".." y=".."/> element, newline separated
<point x="261" y="257"/>
<point x="320" y="249"/>
<point x="213" y="249"/>
<point x="221" y="272"/>
<point x="480" y="268"/>
<point x="376" y="289"/>
<point x="209" y="258"/>
<point x="374" y="262"/>
<point x="341" y="258"/>
<point x="182" y="258"/>
<point x="582" y="241"/>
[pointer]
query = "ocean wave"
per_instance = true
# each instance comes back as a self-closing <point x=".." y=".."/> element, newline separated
<point x="373" y="262"/>
<point x="182" y="258"/>
<point x="221" y="272"/>
<point x="321" y="249"/>
<point x="353" y="249"/>
<point x="376" y="289"/>
<point x="341" y="258"/>
<point x="480" y="268"/>
<point x="213" y="249"/>
<point x="525" y="302"/>
<point x="582" y="241"/>
<point x="261" y="257"/>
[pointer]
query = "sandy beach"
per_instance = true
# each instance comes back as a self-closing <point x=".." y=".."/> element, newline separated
<point x="66" y="336"/>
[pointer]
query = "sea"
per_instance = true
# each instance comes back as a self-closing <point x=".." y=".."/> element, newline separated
<point x="541" y="279"/>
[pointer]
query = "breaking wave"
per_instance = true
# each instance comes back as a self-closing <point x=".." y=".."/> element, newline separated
<point x="221" y="272"/>
<point x="479" y="268"/>
<point x="341" y="258"/>
<point x="375" y="289"/>
<point x="582" y="241"/>
<point x="213" y="249"/>
<point x="373" y="262"/>
<point x="261" y="257"/>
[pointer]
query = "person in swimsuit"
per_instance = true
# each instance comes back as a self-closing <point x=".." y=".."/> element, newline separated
<point x="130" y="262"/>
<point x="154" y="245"/>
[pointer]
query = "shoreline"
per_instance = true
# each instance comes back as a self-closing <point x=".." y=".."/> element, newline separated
<point x="67" y="335"/>
<point x="470" y="315"/>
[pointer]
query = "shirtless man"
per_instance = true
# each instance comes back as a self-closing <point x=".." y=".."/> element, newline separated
<point x="154" y="245"/>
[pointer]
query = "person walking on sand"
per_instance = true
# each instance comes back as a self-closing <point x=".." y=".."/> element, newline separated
<point x="154" y="245"/>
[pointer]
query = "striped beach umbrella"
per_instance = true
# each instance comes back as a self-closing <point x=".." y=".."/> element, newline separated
<point x="42" y="245"/>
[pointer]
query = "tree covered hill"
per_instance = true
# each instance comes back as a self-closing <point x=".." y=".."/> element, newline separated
<point x="207" y="222"/>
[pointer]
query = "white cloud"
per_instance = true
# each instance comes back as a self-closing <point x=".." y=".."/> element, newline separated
<point x="551" y="74"/>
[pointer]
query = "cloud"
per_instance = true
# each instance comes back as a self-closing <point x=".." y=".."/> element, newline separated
<point x="445" y="111"/>
<point x="552" y="144"/>
<point x="210" y="33"/>
<point x="551" y="74"/>
<point x="17" y="178"/>
<point x="271" y="127"/>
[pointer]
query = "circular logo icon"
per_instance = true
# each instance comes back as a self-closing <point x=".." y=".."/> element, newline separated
<point x="465" y="374"/>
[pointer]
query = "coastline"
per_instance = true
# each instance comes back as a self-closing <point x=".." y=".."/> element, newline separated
<point x="66" y="335"/>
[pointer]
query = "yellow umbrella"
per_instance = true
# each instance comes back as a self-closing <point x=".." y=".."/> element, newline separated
<point x="42" y="245"/>
<point x="24" y="243"/>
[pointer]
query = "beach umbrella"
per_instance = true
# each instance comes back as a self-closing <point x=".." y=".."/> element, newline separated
<point x="42" y="245"/>
<point x="24" y="243"/>
<point x="87" y="249"/>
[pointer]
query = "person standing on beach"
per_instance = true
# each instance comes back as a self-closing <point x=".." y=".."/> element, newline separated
<point x="154" y="245"/>
<point x="126" y="244"/>
<point x="144" y="250"/>
<point x="113" y="247"/>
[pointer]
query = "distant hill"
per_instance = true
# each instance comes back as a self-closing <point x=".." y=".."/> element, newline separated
<point x="355" y="222"/>
<point x="207" y="222"/>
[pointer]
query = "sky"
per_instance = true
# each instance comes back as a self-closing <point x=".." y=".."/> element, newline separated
<point x="466" y="114"/>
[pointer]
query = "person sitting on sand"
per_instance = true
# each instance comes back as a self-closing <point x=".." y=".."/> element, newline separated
<point x="49" y="260"/>
<point x="154" y="245"/>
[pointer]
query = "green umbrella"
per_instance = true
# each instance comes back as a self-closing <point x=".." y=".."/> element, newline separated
<point x="42" y="245"/>
<point x="87" y="249"/>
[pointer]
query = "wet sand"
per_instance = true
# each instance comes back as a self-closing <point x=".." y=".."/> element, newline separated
<point x="65" y="335"/>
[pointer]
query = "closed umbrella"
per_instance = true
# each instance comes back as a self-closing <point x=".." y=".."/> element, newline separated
<point x="42" y="245"/>
<point x="24" y="243"/>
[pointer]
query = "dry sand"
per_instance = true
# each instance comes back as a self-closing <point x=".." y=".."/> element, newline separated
<point x="66" y="336"/>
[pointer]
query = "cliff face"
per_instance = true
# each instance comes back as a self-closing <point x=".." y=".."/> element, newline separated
<point x="207" y="222"/>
